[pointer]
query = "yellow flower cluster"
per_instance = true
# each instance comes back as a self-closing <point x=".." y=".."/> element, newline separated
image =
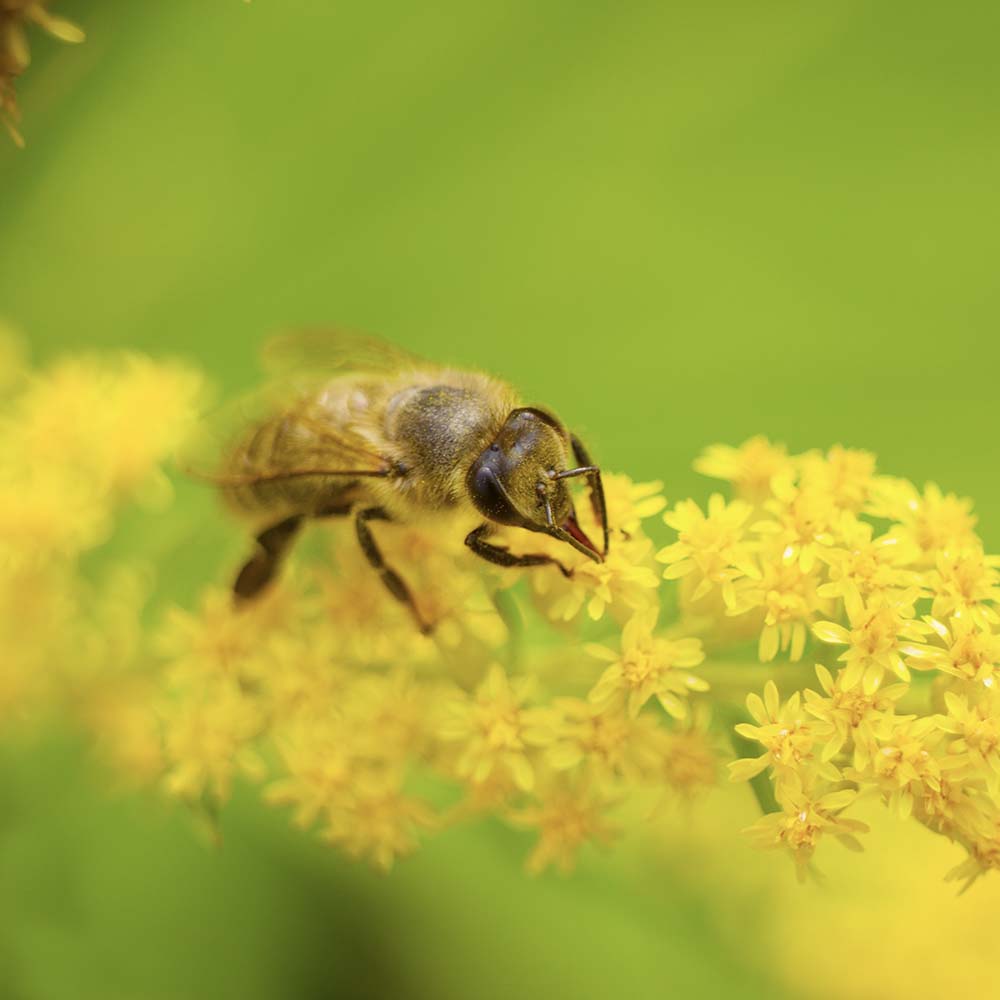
<point x="560" y="705"/>
<point x="894" y="586"/>
<point x="79" y="443"/>
<point x="15" y="55"/>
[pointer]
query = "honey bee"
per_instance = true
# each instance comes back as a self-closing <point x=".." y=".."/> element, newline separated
<point x="369" y="431"/>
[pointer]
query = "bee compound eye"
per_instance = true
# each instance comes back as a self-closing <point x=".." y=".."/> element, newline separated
<point x="490" y="499"/>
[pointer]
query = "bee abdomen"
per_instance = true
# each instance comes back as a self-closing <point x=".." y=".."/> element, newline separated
<point x="282" y="445"/>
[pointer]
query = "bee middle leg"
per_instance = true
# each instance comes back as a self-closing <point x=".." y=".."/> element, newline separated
<point x="476" y="540"/>
<point x="262" y="567"/>
<point x="393" y="581"/>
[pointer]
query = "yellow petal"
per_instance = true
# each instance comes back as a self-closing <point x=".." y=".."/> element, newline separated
<point x="831" y="632"/>
<point x="746" y="768"/>
<point x="767" y="647"/>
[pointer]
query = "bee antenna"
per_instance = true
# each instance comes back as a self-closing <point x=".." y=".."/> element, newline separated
<point x="583" y="470"/>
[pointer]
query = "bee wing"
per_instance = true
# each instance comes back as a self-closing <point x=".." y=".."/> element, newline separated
<point x="333" y="351"/>
<point x="238" y="443"/>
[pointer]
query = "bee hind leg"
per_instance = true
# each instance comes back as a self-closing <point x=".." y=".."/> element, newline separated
<point x="393" y="581"/>
<point x="262" y="567"/>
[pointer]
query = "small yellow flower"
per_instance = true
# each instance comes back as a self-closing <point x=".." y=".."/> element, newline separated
<point x="391" y="711"/>
<point x="982" y="840"/>
<point x="209" y="742"/>
<point x="377" y="820"/>
<point x="567" y="815"/>
<point x="319" y="764"/>
<point x="648" y="666"/>
<point x="801" y="522"/>
<point x="790" y="600"/>
<point x="932" y="520"/>
<point x="712" y="547"/>
<point x="495" y="731"/>
<point x="784" y="731"/>
<point x="965" y="583"/>
<point x="977" y="727"/>
<point x="689" y="756"/>
<point x="882" y="630"/>
<point x="750" y="467"/>
<point x="845" y="475"/>
<point x="629" y="503"/>
<point x="866" y="564"/>
<point x="223" y="639"/>
<point x="804" y="819"/>
<point x="905" y="763"/>
<point x="853" y="719"/>
<point x="623" y="583"/>
<point x="968" y="651"/>
<point x="603" y="739"/>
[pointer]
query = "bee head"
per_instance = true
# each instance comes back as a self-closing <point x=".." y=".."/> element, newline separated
<point x="520" y="479"/>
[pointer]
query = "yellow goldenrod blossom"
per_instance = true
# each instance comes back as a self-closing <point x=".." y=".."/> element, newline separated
<point x="866" y="564"/>
<point x="689" y="755"/>
<point x="494" y="730"/>
<point x="881" y="630"/>
<point x="932" y="520"/>
<point x="965" y="583"/>
<point x="800" y="521"/>
<point x="844" y="475"/>
<point x="632" y="503"/>
<point x="785" y="733"/>
<point x="604" y="739"/>
<point x="210" y="741"/>
<point x="853" y="719"/>
<point x="790" y="600"/>
<point x="712" y="547"/>
<point x="568" y="814"/>
<point x="377" y="820"/>
<point x="804" y="819"/>
<point x="648" y="666"/>
<point x="750" y="467"/>
<point x="906" y="763"/>
<point x="977" y="727"/>
<point x="623" y="582"/>
<point x="969" y="651"/>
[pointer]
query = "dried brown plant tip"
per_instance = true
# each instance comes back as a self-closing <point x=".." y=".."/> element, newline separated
<point x="15" y="54"/>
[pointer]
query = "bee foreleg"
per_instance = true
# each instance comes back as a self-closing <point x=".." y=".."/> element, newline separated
<point x="476" y="540"/>
<point x="393" y="581"/>
<point x="582" y="457"/>
<point x="260" y="569"/>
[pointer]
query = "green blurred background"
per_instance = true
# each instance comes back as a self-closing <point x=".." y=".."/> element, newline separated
<point x="675" y="223"/>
